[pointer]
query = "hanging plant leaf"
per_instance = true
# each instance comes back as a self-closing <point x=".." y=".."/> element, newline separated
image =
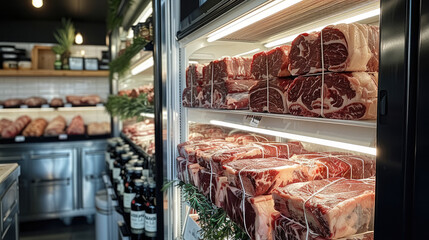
<point x="126" y="107"/>
<point x="122" y="63"/>
<point x="214" y="222"/>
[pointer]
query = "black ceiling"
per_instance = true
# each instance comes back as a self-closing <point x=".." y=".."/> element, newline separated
<point x="21" y="22"/>
<point x="78" y="10"/>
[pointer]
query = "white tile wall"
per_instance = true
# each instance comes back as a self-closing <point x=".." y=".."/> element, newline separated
<point x="50" y="87"/>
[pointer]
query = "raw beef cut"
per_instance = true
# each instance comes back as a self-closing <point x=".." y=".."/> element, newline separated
<point x="76" y="126"/>
<point x="237" y="101"/>
<point x="194" y="75"/>
<point x="348" y="96"/>
<point x="181" y="169"/>
<point x="191" y="98"/>
<point x="244" y="138"/>
<point x="16" y="127"/>
<point x="334" y="207"/>
<point x="253" y="214"/>
<point x="331" y="164"/>
<point x="35" y="128"/>
<point x="35" y="101"/>
<point x="83" y="100"/>
<point x="262" y="175"/>
<point x="275" y="93"/>
<point x="98" y="128"/>
<point x="274" y="62"/>
<point x="188" y="172"/>
<point x="16" y="102"/>
<point x="287" y="229"/>
<point x="226" y="94"/>
<point x="214" y="189"/>
<point x="56" y="126"/>
<point x="4" y="123"/>
<point x="204" y="131"/>
<point x="193" y="172"/>
<point x="255" y="150"/>
<point x="231" y="68"/>
<point x="56" y="102"/>
<point x="189" y="149"/>
<point x="346" y="47"/>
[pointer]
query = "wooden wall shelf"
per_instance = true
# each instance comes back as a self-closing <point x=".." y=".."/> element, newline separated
<point x="52" y="73"/>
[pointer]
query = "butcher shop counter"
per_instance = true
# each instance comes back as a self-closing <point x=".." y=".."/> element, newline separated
<point x="9" y="196"/>
<point x="60" y="178"/>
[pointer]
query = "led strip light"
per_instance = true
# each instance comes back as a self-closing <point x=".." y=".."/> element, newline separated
<point x="320" y="141"/>
<point x="142" y="66"/>
<point x="353" y="19"/>
<point x="248" y="52"/>
<point x="255" y="16"/>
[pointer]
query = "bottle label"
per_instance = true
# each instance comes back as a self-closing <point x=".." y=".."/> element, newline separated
<point x="128" y="198"/>
<point x="116" y="172"/>
<point x="150" y="222"/>
<point x="120" y="187"/>
<point x="137" y="219"/>
<point x="111" y="161"/>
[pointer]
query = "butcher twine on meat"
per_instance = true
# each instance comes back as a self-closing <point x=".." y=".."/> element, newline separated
<point x="346" y="47"/>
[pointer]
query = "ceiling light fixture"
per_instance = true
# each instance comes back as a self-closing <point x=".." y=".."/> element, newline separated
<point x="37" y="3"/>
<point x="145" y="14"/>
<point x="142" y="66"/>
<point x="248" y="52"/>
<point x="356" y="18"/>
<point x="78" y="39"/>
<point x="255" y="16"/>
<point x="320" y="141"/>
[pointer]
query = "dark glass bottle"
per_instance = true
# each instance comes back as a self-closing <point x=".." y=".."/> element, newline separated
<point x="137" y="216"/>
<point x="129" y="194"/>
<point x="150" y="215"/>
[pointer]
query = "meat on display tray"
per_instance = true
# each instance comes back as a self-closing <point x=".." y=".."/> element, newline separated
<point x="136" y="147"/>
<point x="67" y="105"/>
<point x="59" y="138"/>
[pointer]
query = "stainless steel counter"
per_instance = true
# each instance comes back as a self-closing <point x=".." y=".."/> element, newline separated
<point x="9" y="225"/>
<point x="59" y="179"/>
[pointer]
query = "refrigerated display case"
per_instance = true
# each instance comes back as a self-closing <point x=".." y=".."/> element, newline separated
<point x="242" y="31"/>
<point x="139" y="132"/>
<point x="59" y="168"/>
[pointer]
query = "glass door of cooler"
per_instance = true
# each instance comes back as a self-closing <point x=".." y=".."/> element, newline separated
<point x="421" y="178"/>
<point x="385" y="139"/>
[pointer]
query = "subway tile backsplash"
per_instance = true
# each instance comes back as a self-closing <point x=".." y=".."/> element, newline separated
<point x="50" y="87"/>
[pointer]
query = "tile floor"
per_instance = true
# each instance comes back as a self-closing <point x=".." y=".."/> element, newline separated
<point x="57" y="230"/>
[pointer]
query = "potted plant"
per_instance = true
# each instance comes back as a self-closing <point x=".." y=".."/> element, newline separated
<point x="65" y="39"/>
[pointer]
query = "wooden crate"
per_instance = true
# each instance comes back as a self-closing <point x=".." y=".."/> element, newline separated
<point x="42" y="57"/>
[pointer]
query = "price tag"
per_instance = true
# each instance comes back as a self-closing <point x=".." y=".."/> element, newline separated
<point x="23" y="106"/>
<point x="45" y="106"/>
<point x="252" y="120"/>
<point x="99" y="105"/>
<point x="62" y="136"/>
<point x="67" y="105"/>
<point x="19" y="139"/>
<point x="192" y="229"/>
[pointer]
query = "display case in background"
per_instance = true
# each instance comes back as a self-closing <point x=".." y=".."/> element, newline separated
<point x="62" y="172"/>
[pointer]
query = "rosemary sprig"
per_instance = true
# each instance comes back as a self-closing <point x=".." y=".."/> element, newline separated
<point x="214" y="222"/>
<point x="122" y="63"/>
<point x="126" y="107"/>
